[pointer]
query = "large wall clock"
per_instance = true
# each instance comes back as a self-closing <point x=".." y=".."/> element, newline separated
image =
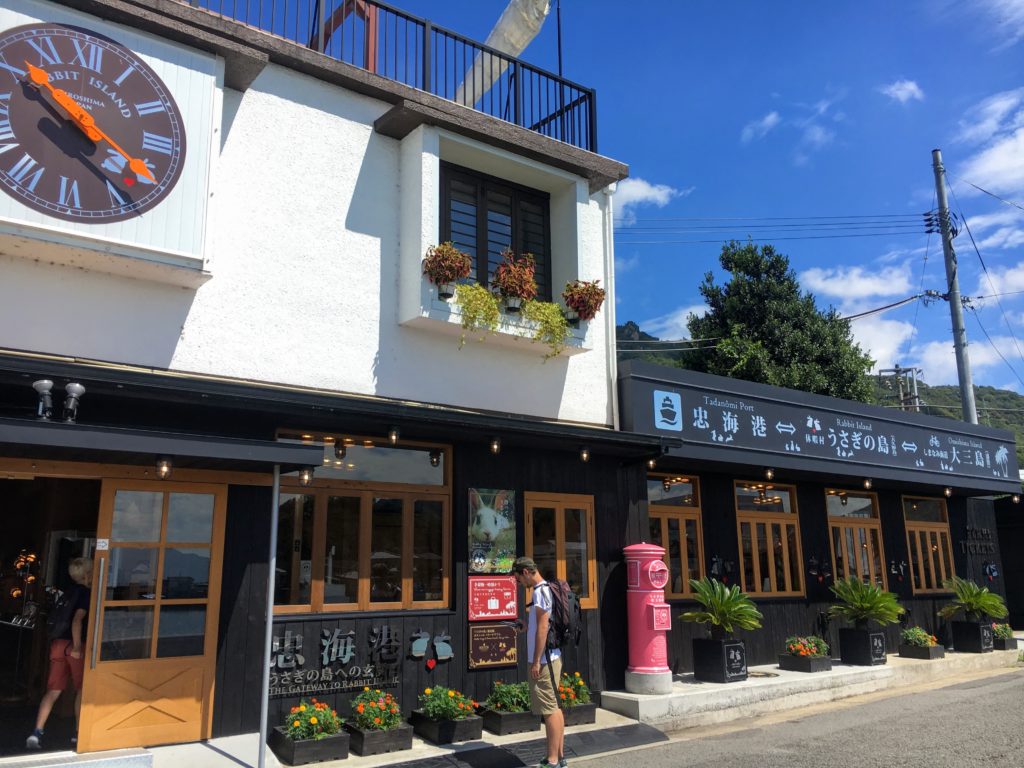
<point x="88" y="132"/>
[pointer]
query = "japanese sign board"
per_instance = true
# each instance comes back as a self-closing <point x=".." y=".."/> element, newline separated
<point x="493" y="597"/>
<point x="492" y="645"/>
<point x="492" y="530"/>
<point x="338" y="665"/>
<point x="729" y="414"/>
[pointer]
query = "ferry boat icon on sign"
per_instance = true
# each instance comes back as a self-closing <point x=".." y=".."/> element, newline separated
<point x="667" y="411"/>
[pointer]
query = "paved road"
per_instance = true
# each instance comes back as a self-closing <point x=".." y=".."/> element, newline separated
<point x="977" y="722"/>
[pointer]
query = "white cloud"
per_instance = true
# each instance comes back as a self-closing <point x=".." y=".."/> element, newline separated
<point x="903" y="91"/>
<point x="991" y="116"/>
<point x="758" y="129"/>
<point x="1008" y="16"/>
<point x="853" y="283"/>
<point x="636" y="192"/>
<point x="1001" y="281"/>
<point x="938" y="361"/>
<point x="883" y="340"/>
<point x="625" y="264"/>
<point x="817" y="137"/>
<point x="999" y="168"/>
<point x="673" y="324"/>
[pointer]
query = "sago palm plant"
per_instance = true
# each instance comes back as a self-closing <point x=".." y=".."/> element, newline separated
<point x="726" y="609"/>
<point x="976" y="602"/>
<point x="860" y="603"/>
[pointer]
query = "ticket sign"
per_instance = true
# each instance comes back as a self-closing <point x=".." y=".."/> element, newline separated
<point x="492" y="598"/>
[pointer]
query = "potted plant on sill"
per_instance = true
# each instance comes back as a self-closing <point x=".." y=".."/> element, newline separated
<point x="311" y="733"/>
<point x="550" y="325"/>
<point x="861" y="603"/>
<point x="583" y="299"/>
<point x="444" y="265"/>
<point x="478" y="310"/>
<point x="721" y="658"/>
<point x="376" y="726"/>
<point x="806" y="654"/>
<point x="916" y="643"/>
<point x="576" y="700"/>
<point x="446" y="716"/>
<point x="515" y="280"/>
<point x="507" y="709"/>
<point x="974" y="633"/>
<point x="1002" y="637"/>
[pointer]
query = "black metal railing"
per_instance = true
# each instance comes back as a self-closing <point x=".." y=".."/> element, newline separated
<point x="401" y="47"/>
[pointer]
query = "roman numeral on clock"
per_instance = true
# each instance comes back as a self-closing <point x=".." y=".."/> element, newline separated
<point x="6" y="132"/>
<point x="23" y="170"/>
<point x="88" y="55"/>
<point x="156" y="143"/>
<point x="47" y="51"/>
<point x="69" y="193"/>
<point x="149" y="107"/>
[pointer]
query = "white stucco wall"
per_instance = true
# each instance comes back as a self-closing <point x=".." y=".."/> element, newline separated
<point x="315" y="232"/>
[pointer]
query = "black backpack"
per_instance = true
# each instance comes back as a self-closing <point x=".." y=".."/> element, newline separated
<point x="58" y="620"/>
<point x="565" y="621"/>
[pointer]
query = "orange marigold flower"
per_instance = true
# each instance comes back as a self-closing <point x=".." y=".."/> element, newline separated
<point x="360" y="709"/>
<point x="563" y="695"/>
<point x="394" y="710"/>
<point x="295" y="724"/>
<point x="376" y="720"/>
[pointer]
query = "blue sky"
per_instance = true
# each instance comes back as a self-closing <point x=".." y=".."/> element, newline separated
<point x="759" y="114"/>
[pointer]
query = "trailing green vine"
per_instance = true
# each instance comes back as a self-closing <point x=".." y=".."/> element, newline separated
<point x="478" y="308"/>
<point x="552" y="327"/>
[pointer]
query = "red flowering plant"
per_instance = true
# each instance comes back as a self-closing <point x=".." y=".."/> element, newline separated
<point x="509" y="697"/>
<point x="584" y="297"/>
<point x="1002" y="631"/>
<point x="440" y="703"/>
<point x="375" y="710"/>
<point x="312" y="720"/>
<point x="811" y="645"/>
<point x="573" y="690"/>
<point x="917" y="637"/>
<point x="445" y="263"/>
<point x="516" y="278"/>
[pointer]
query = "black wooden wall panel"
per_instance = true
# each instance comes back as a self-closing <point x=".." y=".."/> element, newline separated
<point x="1010" y="524"/>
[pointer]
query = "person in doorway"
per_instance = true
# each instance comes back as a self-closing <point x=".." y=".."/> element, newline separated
<point x="67" y="649"/>
<point x="545" y="664"/>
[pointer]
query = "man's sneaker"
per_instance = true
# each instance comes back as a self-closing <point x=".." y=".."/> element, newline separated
<point x="563" y="763"/>
<point x="32" y="742"/>
<point x="545" y="764"/>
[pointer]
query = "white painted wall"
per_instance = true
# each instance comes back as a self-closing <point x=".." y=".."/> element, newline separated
<point x="316" y="229"/>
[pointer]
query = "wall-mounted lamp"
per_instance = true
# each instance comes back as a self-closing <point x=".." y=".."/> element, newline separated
<point x="393" y="435"/>
<point x="844" y="499"/>
<point x="898" y="569"/>
<point x="75" y="392"/>
<point x="1015" y="498"/>
<point x="652" y="463"/>
<point x="435" y="458"/>
<point x="666" y="485"/>
<point x="495" y="445"/>
<point x="340" y="451"/>
<point x="867" y="483"/>
<point x="584" y="454"/>
<point x="947" y="491"/>
<point x="820" y="568"/>
<point x="164" y="467"/>
<point x="306" y="475"/>
<point x="42" y="388"/>
<point x="769" y="474"/>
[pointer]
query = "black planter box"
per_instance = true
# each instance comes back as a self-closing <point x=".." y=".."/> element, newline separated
<point x="719" y="661"/>
<point x="1009" y="644"/>
<point x="792" y="663"/>
<point x="504" y="723"/>
<point x="973" y="637"/>
<point x="446" y="731"/>
<point x="379" y="742"/>
<point x="334" y="747"/>
<point x="918" y="652"/>
<point x="581" y="714"/>
<point x="861" y="647"/>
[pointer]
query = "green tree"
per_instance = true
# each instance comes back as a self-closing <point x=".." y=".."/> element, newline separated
<point x="767" y="330"/>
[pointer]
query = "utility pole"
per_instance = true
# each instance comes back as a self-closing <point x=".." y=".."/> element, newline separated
<point x="956" y="310"/>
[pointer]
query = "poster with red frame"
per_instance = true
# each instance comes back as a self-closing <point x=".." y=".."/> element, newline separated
<point x="493" y="597"/>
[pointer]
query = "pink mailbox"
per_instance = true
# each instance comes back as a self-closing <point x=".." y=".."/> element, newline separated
<point x="649" y="618"/>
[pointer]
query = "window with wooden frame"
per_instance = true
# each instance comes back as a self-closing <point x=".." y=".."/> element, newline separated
<point x="928" y="541"/>
<point x="855" y="536"/>
<point x="560" y="539"/>
<point x="483" y="215"/>
<point x="674" y="515"/>
<point x="379" y="542"/>
<point x="769" y="532"/>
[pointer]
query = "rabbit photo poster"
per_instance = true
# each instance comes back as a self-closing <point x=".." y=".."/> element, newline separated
<point x="492" y="530"/>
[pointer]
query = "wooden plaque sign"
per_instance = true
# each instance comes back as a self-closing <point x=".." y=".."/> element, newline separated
<point x="492" y="645"/>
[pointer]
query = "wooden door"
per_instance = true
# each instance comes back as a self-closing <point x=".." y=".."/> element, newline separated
<point x="152" y="638"/>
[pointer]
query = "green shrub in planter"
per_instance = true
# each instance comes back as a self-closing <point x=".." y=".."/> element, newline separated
<point x="509" y="697"/>
<point x="917" y="637"/>
<point x="974" y="601"/>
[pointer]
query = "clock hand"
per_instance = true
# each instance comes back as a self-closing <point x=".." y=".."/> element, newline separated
<point x="85" y="122"/>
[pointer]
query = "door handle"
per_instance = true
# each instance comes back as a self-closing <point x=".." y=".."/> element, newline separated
<point x="96" y="617"/>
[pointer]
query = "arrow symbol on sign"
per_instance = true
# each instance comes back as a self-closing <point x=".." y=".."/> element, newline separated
<point x="787" y="428"/>
<point x="910" y="447"/>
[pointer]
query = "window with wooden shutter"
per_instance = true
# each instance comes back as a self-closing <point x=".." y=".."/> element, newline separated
<point x="931" y="554"/>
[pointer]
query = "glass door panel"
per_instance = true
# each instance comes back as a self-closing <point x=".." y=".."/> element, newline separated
<point x="427" y="549"/>
<point x="386" y="551"/>
<point x="341" y="552"/>
<point x="576" y="551"/>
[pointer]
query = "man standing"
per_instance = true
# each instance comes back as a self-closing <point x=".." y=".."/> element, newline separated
<point x="545" y="665"/>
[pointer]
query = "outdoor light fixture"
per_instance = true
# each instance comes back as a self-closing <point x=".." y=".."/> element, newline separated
<point x="1015" y="498"/>
<point x="495" y="445"/>
<point x="306" y="475"/>
<point x="340" y="450"/>
<point x="164" y="467"/>
<point x="666" y="484"/>
<point x="947" y="491"/>
<point x="393" y="435"/>
<point x="42" y="388"/>
<point x="843" y="499"/>
<point x="584" y="454"/>
<point x="867" y="483"/>
<point x="435" y="458"/>
<point x="652" y="463"/>
<point x="75" y="392"/>
<point x="769" y="474"/>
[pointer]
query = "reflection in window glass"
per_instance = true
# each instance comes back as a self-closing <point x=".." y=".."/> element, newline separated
<point x="927" y="557"/>
<point x="692" y="559"/>
<point x="386" y="551"/>
<point x="186" y="572"/>
<point x="763" y="497"/>
<point x="795" y="584"/>
<point x="779" y="556"/>
<point x="190" y="517"/>
<point x="544" y="536"/>
<point x="347" y="458"/>
<point x="849" y="504"/>
<point x="675" y="555"/>
<point x="876" y="555"/>
<point x="182" y="631"/>
<point x="137" y="516"/>
<point x="746" y="544"/>
<point x="924" y="510"/>
<point x="655" y="526"/>
<point x="762" y="557"/>
<point x="341" y="555"/>
<point x="672" y="491"/>
<point x="427" y="532"/>
<point x="576" y="551"/>
<point x="944" y="553"/>
<point x="127" y="633"/>
<point x="132" y="573"/>
<point x="294" y="578"/>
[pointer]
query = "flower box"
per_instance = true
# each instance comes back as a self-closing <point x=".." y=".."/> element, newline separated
<point x="972" y="637"/>
<point x="1005" y="644"/>
<point x="793" y="663"/>
<point x="719" y="661"/>
<point x="366" y="743"/>
<point x="922" y="652"/>
<point x="861" y="647"/>
<point x="503" y="723"/>
<point x="333" y="747"/>
<point x="446" y="731"/>
<point x="580" y="714"/>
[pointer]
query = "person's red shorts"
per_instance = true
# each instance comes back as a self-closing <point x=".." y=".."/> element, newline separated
<point x="64" y="667"/>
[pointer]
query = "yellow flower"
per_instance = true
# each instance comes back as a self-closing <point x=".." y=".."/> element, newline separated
<point x="366" y="687"/>
<point x="577" y="674"/>
<point x="427" y="691"/>
<point x="302" y="708"/>
<point x="312" y="720"/>
<point x="451" y="694"/>
<point x="295" y="724"/>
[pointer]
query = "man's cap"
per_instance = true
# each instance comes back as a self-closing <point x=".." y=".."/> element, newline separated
<point x="523" y="564"/>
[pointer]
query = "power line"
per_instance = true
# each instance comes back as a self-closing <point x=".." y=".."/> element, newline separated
<point x="878" y="310"/>
<point x="784" y="218"/>
<point x="993" y="344"/>
<point x="924" y="266"/>
<point x="769" y="240"/>
<point x="991" y="194"/>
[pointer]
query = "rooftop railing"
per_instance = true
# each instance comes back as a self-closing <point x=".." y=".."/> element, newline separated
<point x="401" y="47"/>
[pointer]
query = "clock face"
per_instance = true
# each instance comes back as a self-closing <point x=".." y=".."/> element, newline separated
<point x="47" y="162"/>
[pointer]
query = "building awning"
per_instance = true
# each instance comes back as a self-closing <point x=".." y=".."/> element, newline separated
<point x="58" y="441"/>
